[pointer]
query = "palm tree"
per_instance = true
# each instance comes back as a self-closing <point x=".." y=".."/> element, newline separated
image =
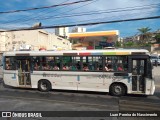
<point x="145" y="35"/>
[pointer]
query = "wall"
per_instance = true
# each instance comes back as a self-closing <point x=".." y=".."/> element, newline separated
<point x="36" y="39"/>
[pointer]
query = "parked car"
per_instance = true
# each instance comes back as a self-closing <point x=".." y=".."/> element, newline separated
<point x="155" y="59"/>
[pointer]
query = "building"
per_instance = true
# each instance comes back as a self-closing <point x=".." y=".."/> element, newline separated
<point x="93" y="40"/>
<point x="78" y="30"/>
<point x="62" y="31"/>
<point x="32" y="39"/>
<point x="135" y="38"/>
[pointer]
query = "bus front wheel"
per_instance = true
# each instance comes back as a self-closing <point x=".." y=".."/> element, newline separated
<point x="117" y="89"/>
<point x="44" y="85"/>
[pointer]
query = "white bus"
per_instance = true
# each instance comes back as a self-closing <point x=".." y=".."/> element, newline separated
<point x="116" y="71"/>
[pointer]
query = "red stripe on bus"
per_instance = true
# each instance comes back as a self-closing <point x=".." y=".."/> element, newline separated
<point x="84" y="54"/>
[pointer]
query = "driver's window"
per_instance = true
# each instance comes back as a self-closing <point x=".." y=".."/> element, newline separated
<point x="134" y="69"/>
<point x="141" y="67"/>
<point x="138" y="67"/>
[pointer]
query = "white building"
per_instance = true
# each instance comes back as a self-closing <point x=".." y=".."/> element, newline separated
<point x="78" y="30"/>
<point x="62" y="31"/>
<point x="33" y="39"/>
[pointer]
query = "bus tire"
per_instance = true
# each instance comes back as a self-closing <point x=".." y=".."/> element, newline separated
<point x="44" y="85"/>
<point x="117" y="89"/>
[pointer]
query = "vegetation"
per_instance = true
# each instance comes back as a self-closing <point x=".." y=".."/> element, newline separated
<point x="157" y="37"/>
<point x="145" y="40"/>
<point x="118" y="44"/>
<point x="128" y="44"/>
<point x="135" y="44"/>
<point x="145" y="35"/>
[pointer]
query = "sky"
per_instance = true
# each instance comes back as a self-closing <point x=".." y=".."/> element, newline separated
<point x="86" y="12"/>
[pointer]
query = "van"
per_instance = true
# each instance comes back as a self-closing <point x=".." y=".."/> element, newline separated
<point x="155" y="58"/>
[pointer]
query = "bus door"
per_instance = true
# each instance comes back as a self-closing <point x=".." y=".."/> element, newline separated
<point x="23" y="66"/>
<point x="138" y="69"/>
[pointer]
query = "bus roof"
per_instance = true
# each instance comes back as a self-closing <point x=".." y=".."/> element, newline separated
<point x="77" y="52"/>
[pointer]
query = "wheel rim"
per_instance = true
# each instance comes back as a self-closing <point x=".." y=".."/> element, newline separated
<point x="118" y="90"/>
<point x="43" y="86"/>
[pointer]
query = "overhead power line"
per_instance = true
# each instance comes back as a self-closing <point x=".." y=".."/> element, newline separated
<point x="107" y="11"/>
<point x="83" y="24"/>
<point x="109" y="18"/>
<point x="99" y="12"/>
<point x="36" y="8"/>
<point x="86" y="14"/>
<point x="33" y="15"/>
<point x="34" y="18"/>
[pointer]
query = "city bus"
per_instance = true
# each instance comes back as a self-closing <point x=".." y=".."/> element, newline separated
<point x="129" y="71"/>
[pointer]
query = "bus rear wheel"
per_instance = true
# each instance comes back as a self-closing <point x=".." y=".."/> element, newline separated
<point x="117" y="89"/>
<point x="44" y="85"/>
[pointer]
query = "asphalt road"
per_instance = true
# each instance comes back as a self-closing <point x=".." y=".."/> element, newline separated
<point x="13" y="99"/>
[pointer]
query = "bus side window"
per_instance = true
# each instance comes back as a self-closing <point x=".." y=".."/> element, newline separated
<point x="56" y="67"/>
<point x="100" y="68"/>
<point x="118" y="63"/>
<point x="36" y="63"/>
<point x="10" y="63"/>
<point x="91" y="67"/>
<point x="85" y="67"/>
<point x="73" y="67"/>
<point x="78" y="65"/>
<point x="65" y="67"/>
<point x="46" y="67"/>
<point x="120" y="67"/>
<point x="7" y="66"/>
<point x="36" y="66"/>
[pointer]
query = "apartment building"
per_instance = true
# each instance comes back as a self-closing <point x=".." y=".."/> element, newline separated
<point x="32" y="39"/>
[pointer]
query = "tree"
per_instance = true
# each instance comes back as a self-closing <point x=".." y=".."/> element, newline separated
<point x="144" y="34"/>
<point x="157" y="37"/>
<point x="118" y="44"/>
<point x="128" y="44"/>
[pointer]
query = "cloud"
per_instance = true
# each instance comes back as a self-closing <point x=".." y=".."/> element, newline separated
<point x="96" y="5"/>
<point x="102" y="5"/>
